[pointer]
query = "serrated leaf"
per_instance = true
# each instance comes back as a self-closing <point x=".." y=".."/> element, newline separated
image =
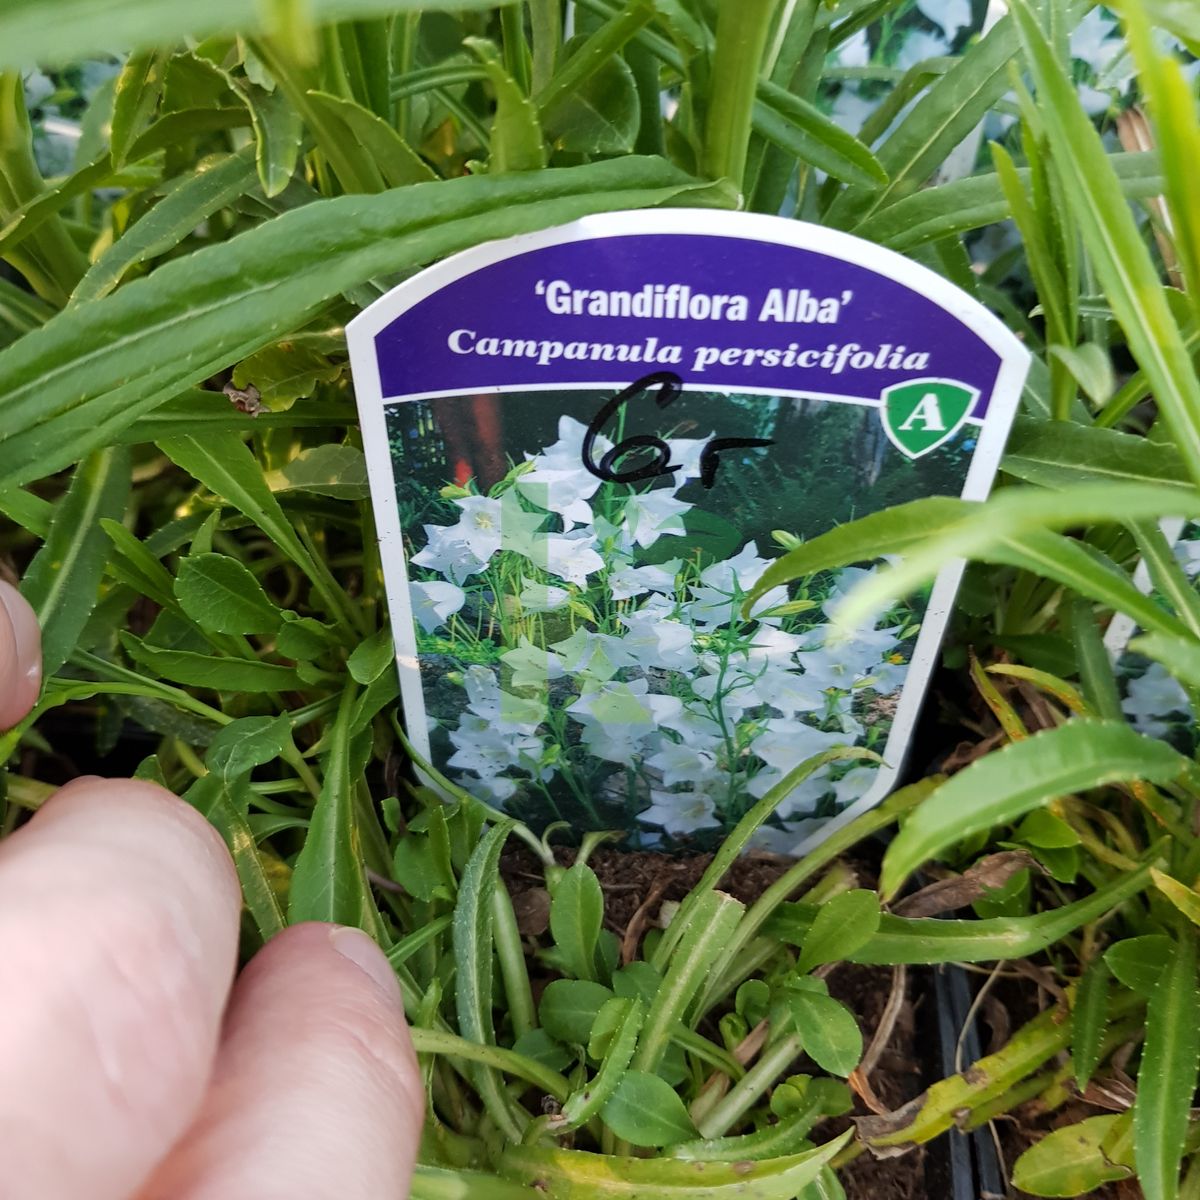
<point x="1089" y="1019"/>
<point x="284" y="373"/>
<point x="1003" y="786"/>
<point x="214" y="184"/>
<point x="843" y="924"/>
<point x="573" y="1174"/>
<point x="221" y="595"/>
<point x="77" y="381"/>
<point x="63" y="581"/>
<point x="303" y="638"/>
<point x="139" y="87"/>
<point x="516" y="142"/>
<point x="392" y="161"/>
<point x="1167" y="1075"/>
<point x="646" y="1111"/>
<point x="278" y="134"/>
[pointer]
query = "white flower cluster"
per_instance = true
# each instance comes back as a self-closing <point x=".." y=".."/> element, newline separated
<point x="640" y="675"/>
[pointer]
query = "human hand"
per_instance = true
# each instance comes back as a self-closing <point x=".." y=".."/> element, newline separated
<point x="133" y="1066"/>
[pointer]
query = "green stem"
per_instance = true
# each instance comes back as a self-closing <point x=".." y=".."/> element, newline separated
<point x="432" y="1041"/>
<point x="511" y="954"/>
<point x="516" y="54"/>
<point x="742" y="31"/>
<point x="750" y="1089"/>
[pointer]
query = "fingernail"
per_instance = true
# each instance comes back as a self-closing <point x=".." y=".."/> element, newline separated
<point x="26" y="634"/>
<point x="366" y="955"/>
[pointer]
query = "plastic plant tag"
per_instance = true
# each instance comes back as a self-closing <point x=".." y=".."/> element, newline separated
<point x="587" y="444"/>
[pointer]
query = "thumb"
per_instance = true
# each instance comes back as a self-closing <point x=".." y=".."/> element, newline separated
<point x="20" y="656"/>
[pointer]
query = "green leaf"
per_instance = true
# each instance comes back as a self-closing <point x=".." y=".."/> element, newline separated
<point x="962" y="205"/>
<point x="576" y="916"/>
<point x="83" y="28"/>
<point x="371" y="658"/>
<point x="646" y="1111"/>
<point x="394" y="162"/>
<point x="568" y="1009"/>
<point x="221" y="595"/>
<point x="1167" y="1077"/>
<point x="63" y="581"/>
<point x="339" y="472"/>
<point x="929" y="537"/>
<point x="574" y="1174"/>
<point x="284" y="373"/>
<point x="827" y="1029"/>
<point x="589" y="1099"/>
<point x="1070" y="1161"/>
<point x="221" y="674"/>
<point x="278" y="136"/>
<point x="843" y="924"/>
<point x="1183" y="897"/>
<point x="1091" y="368"/>
<point x="137" y="566"/>
<point x="706" y="929"/>
<point x="601" y="116"/>
<point x="473" y="944"/>
<point x="328" y="881"/>
<point x="139" y="87"/>
<point x="247" y="743"/>
<point x="1089" y="1019"/>
<point x="215" y="184"/>
<point x="802" y="129"/>
<point x="1172" y="100"/>
<point x="1119" y="255"/>
<point x="91" y="371"/>
<point x="224" y="803"/>
<point x="1137" y="962"/>
<point x="516" y="142"/>
<point x="1056" y="454"/>
<point x="1002" y="787"/>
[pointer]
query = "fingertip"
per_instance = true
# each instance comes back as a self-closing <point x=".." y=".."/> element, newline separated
<point x="20" y="656"/>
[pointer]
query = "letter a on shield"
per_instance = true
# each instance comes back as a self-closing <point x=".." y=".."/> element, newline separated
<point x="923" y="414"/>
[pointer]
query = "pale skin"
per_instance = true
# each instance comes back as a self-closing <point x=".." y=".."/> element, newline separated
<point x="135" y="1064"/>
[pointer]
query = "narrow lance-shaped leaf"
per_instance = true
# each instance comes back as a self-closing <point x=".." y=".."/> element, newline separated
<point x="472" y="936"/>
<point x="88" y="373"/>
<point x="1167" y="1076"/>
<point x="517" y="143"/>
<point x="1120" y="257"/>
<point x="1005" y="785"/>
<point x="1089" y="1019"/>
<point x="62" y="583"/>
<point x="572" y="1174"/>
<point x="329" y="883"/>
<point x="221" y="595"/>
<point x="83" y="28"/>
<point x="213" y="185"/>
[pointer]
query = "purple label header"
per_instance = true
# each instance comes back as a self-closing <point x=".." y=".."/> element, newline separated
<point x="722" y="312"/>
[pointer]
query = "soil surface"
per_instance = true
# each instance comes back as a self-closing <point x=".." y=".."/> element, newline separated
<point x="637" y="884"/>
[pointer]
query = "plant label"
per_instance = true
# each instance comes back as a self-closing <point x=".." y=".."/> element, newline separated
<point x="585" y="447"/>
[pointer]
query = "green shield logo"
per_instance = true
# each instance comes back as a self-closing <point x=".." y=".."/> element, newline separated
<point x="922" y="414"/>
